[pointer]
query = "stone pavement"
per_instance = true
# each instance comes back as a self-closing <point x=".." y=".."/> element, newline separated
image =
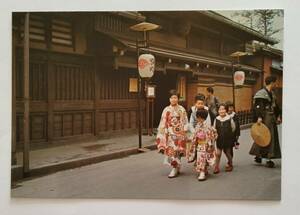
<point x="52" y="159"/>
<point x="144" y="176"/>
<point x="83" y="153"/>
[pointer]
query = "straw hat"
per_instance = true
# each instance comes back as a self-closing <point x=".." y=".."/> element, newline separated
<point x="260" y="134"/>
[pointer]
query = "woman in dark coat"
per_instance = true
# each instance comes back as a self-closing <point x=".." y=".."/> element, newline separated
<point x="267" y="111"/>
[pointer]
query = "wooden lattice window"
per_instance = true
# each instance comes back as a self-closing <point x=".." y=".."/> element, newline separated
<point x="37" y="28"/>
<point x="38" y="81"/>
<point x="61" y="32"/>
<point x="73" y="82"/>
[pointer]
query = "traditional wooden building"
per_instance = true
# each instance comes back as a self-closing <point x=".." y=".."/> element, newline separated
<point x="271" y="62"/>
<point x="83" y="65"/>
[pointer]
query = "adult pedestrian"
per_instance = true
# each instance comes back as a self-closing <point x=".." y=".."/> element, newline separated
<point x="268" y="112"/>
<point x="212" y="103"/>
<point x="171" y="137"/>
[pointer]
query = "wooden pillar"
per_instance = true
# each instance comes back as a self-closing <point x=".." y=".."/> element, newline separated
<point x="51" y="81"/>
<point x="233" y="87"/>
<point x="96" y="94"/>
<point x="147" y="106"/>
<point x="51" y="98"/>
<point x="152" y="116"/>
<point x="263" y="72"/>
<point x="14" y="118"/>
<point x="26" y="122"/>
<point x="139" y="115"/>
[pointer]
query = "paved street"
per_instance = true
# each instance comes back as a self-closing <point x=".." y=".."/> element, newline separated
<point x="144" y="176"/>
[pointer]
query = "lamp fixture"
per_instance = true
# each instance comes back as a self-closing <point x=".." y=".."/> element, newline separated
<point x="187" y="66"/>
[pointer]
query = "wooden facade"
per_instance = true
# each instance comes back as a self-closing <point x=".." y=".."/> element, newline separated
<point x="81" y="64"/>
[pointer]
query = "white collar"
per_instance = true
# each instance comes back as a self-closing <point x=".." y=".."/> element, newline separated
<point x="175" y="106"/>
<point x="232" y="114"/>
<point x="224" y="118"/>
<point x="194" y="108"/>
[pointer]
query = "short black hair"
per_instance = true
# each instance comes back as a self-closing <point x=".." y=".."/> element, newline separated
<point x="200" y="97"/>
<point x="210" y="90"/>
<point x="202" y="113"/>
<point x="229" y="104"/>
<point x="270" y="79"/>
<point x="173" y="93"/>
<point x="224" y="105"/>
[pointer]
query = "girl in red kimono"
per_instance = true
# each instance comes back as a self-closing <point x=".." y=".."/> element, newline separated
<point x="171" y="137"/>
<point x="203" y="144"/>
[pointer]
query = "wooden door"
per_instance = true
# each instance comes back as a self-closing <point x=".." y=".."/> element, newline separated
<point x="164" y="83"/>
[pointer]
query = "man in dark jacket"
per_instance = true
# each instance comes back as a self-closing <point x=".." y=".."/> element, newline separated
<point x="268" y="112"/>
<point x="212" y="103"/>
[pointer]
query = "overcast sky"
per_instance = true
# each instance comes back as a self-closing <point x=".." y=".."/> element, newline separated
<point x="278" y="23"/>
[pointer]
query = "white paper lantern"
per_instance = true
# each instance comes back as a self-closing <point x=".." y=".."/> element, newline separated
<point x="239" y="78"/>
<point x="146" y="65"/>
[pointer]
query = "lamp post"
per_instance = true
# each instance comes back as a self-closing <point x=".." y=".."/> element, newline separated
<point x="145" y="66"/>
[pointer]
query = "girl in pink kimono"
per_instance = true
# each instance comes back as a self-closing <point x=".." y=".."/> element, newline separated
<point x="203" y="148"/>
<point x="171" y="137"/>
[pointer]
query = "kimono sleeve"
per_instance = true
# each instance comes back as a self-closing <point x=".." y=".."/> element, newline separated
<point x="162" y="127"/>
<point x="193" y="120"/>
<point x="212" y="136"/>
<point x="277" y="110"/>
<point x="162" y="130"/>
<point x="208" y="119"/>
<point x="185" y="120"/>
<point x="259" y="108"/>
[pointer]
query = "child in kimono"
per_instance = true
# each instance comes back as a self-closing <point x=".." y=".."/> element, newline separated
<point x="199" y="105"/>
<point x="237" y="132"/>
<point x="225" y="127"/>
<point x="203" y="144"/>
<point x="171" y="137"/>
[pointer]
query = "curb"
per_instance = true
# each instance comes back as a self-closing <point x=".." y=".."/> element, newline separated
<point x="17" y="173"/>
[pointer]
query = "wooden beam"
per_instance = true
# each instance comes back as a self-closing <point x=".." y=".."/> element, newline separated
<point x="14" y="118"/>
<point x="26" y="122"/>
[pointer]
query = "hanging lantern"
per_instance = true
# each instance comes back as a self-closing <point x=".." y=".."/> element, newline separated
<point x="239" y="78"/>
<point x="146" y="65"/>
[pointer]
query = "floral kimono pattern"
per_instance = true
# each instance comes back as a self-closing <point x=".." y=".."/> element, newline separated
<point x="171" y="137"/>
<point x="203" y="146"/>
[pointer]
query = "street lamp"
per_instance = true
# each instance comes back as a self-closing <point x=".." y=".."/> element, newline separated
<point x="145" y="66"/>
<point x="238" y="77"/>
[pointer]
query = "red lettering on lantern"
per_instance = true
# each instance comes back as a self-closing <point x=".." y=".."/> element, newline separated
<point x="239" y="77"/>
<point x="142" y="63"/>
